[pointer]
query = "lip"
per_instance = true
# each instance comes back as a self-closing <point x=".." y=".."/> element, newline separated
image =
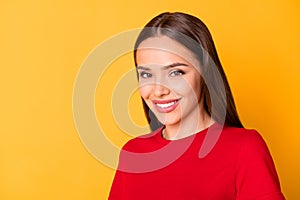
<point x="166" y="106"/>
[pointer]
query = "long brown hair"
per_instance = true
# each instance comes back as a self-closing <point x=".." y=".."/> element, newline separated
<point x="194" y="35"/>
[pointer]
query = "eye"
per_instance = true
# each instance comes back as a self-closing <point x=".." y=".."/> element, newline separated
<point x="176" y="73"/>
<point x="145" y="75"/>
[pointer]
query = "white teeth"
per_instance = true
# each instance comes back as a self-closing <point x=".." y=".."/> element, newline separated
<point x="165" y="105"/>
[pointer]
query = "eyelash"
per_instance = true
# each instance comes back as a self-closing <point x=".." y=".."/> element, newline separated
<point x="145" y="75"/>
<point x="174" y="73"/>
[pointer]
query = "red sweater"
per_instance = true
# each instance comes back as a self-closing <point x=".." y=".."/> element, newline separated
<point x="238" y="167"/>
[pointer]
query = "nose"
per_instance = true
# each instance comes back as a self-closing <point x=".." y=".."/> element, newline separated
<point x="160" y="90"/>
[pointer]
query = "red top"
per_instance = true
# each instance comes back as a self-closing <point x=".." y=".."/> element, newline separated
<point x="239" y="166"/>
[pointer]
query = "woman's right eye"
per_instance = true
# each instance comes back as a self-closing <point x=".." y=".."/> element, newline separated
<point x="145" y="75"/>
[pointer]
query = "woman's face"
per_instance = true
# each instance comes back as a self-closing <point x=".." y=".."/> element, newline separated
<point x="169" y="80"/>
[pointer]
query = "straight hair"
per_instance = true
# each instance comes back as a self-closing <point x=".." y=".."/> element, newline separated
<point x="192" y="33"/>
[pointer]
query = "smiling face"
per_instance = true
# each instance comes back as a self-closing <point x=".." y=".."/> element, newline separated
<point x="169" y="80"/>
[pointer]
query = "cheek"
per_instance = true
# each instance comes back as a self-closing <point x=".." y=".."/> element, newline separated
<point x="189" y="87"/>
<point x="145" y="91"/>
<point x="196" y="87"/>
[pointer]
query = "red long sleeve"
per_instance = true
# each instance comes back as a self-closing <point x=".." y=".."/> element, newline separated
<point x="238" y="167"/>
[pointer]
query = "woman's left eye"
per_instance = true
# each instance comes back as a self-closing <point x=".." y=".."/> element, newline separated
<point x="176" y="73"/>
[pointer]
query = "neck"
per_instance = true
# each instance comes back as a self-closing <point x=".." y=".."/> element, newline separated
<point x="187" y="127"/>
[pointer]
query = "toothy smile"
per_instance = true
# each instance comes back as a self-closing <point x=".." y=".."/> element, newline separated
<point x="165" y="105"/>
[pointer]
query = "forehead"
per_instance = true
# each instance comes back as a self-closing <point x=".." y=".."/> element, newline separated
<point x="163" y="50"/>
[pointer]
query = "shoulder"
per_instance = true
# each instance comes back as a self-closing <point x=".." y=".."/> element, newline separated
<point x="244" y="142"/>
<point x="143" y="143"/>
<point x="240" y="132"/>
<point x="243" y="136"/>
<point x="256" y="176"/>
<point x="249" y="145"/>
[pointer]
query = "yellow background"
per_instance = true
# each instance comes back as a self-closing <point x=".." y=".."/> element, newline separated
<point x="43" y="44"/>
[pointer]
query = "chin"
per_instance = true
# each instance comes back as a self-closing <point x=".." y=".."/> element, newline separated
<point x="168" y="119"/>
<point x="169" y="122"/>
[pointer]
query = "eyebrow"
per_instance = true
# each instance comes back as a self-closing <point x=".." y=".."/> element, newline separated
<point x="164" y="67"/>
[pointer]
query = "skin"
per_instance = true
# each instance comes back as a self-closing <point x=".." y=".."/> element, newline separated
<point x="169" y="73"/>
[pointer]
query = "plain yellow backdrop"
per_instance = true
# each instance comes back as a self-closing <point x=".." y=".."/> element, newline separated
<point x="44" y="43"/>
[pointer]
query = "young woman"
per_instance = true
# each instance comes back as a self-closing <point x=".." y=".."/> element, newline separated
<point x="198" y="148"/>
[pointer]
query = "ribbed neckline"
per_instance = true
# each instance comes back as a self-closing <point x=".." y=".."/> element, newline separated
<point x="158" y="135"/>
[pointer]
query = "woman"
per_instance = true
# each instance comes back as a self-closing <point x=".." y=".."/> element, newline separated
<point x="199" y="148"/>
